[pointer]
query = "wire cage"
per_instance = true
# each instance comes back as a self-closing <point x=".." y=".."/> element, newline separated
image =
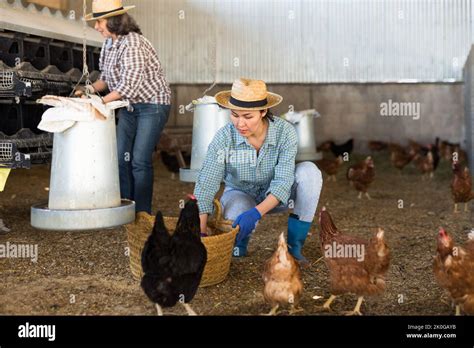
<point x="10" y="157"/>
<point x="6" y="152"/>
<point x="12" y="86"/>
<point x="6" y="80"/>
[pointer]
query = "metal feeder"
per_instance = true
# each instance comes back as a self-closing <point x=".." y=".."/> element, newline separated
<point x="84" y="189"/>
<point x="303" y="121"/>
<point x="208" y="118"/>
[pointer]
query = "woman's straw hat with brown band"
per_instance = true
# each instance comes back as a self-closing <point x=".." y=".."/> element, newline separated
<point x="247" y="94"/>
<point x="106" y="8"/>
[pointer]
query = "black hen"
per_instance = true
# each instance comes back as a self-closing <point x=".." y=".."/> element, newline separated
<point x="173" y="265"/>
<point x="341" y="150"/>
<point x="171" y="161"/>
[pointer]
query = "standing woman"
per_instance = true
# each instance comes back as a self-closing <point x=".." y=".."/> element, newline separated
<point x="131" y="71"/>
<point x="255" y="156"/>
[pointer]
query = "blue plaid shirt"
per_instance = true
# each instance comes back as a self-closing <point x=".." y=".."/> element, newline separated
<point x="230" y="157"/>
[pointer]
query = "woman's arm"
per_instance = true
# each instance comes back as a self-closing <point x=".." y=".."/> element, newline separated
<point x="203" y="218"/>
<point x="99" y="85"/>
<point x="211" y="175"/>
<point x="284" y="173"/>
<point x="267" y="204"/>
<point x="112" y="96"/>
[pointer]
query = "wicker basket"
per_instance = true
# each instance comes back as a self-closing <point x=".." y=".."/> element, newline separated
<point x="219" y="245"/>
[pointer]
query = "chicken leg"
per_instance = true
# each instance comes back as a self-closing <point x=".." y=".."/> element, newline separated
<point x="458" y="310"/>
<point x="466" y="207"/>
<point x="327" y="304"/>
<point x="366" y="195"/>
<point x="456" y="208"/>
<point x="159" y="310"/>
<point x="189" y="310"/>
<point x="295" y="309"/>
<point x="274" y="311"/>
<point x="356" y="310"/>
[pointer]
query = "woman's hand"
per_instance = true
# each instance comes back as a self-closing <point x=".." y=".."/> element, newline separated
<point x="84" y="90"/>
<point x="247" y="222"/>
<point x="203" y="220"/>
<point x="97" y="86"/>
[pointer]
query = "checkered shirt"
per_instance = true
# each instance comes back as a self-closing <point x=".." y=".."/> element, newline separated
<point x="131" y="67"/>
<point x="231" y="158"/>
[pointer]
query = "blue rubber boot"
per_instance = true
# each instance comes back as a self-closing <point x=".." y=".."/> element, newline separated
<point x="297" y="233"/>
<point x="240" y="248"/>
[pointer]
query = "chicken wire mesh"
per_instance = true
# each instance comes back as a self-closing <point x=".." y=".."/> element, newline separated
<point x="36" y="85"/>
<point x="6" y="80"/>
<point x="6" y="152"/>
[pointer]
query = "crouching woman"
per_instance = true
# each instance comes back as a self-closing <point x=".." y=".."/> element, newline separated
<point x="255" y="157"/>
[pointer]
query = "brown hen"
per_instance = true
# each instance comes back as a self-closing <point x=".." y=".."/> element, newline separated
<point x="375" y="145"/>
<point x="461" y="186"/>
<point x="355" y="265"/>
<point x="454" y="270"/>
<point x="282" y="277"/>
<point x="400" y="158"/>
<point x="361" y="176"/>
<point x="458" y="154"/>
<point x="330" y="167"/>
<point x="425" y="164"/>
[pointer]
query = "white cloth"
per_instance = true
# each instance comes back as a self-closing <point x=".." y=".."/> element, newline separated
<point x="67" y="111"/>
<point x="204" y="100"/>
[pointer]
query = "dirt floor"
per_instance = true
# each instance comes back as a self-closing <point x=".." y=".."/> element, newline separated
<point x="87" y="273"/>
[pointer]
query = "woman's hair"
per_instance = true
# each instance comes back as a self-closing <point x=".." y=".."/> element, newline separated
<point x="269" y="115"/>
<point x="123" y="25"/>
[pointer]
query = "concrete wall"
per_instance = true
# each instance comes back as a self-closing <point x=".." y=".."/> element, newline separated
<point x="354" y="110"/>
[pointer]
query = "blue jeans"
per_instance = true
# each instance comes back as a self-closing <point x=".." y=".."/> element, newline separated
<point x="304" y="195"/>
<point x="138" y="132"/>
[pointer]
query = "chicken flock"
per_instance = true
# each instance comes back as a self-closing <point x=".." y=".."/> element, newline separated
<point x="173" y="264"/>
<point x="454" y="265"/>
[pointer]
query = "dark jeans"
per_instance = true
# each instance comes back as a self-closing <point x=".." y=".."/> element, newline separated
<point x="138" y="132"/>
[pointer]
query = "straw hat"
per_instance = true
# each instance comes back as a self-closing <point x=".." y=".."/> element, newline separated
<point x="106" y="8"/>
<point x="247" y="94"/>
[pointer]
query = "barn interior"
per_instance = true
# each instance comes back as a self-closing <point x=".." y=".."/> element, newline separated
<point x="387" y="74"/>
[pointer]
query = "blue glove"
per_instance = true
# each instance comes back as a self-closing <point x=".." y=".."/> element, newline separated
<point x="247" y="222"/>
